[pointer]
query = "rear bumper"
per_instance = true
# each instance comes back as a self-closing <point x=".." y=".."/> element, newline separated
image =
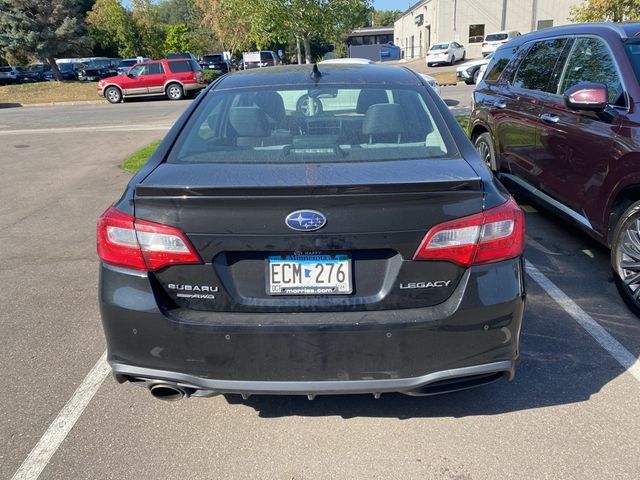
<point x="471" y="338"/>
<point x="190" y="87"/>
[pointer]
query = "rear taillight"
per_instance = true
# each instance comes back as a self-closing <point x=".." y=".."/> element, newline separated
<point x="129" y="242"/>
<point x="493" y="235"/>
<point x="446" y="52"/>
<point x="484" y="44"/>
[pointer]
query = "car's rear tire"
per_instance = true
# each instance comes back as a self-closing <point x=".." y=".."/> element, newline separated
<point x="464" y="55"/>
<point x="453" y="60"/>
<point x="484" y="146"/>
<point x="113" y="95"/>
<point x="625" y="257"/>
<point x="175" y="91"/>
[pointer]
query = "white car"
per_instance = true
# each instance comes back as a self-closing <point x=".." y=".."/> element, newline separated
<point x="433" y="83"/>
<point x="494" y="40"/>
<point x="481" y="72"/>
<point x="468" y="72"/>
<point x="358" y="61"/>
<point x="448" y="52"/>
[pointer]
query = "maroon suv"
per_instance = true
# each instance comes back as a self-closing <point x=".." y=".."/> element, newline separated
<point x="556" y="115"/>
<point x="174" y="78"/>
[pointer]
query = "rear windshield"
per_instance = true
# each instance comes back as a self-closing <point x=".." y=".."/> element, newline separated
<point x="127" y="63"/>
<point x="212" y="58"/>
<point x="494" y="37"/>
<point x="5" y="69"/>
<point x="313" y="125"/>
<point x="180" y="66"/>
<point x="439" y="46"/>
<point x="264" y="56"/>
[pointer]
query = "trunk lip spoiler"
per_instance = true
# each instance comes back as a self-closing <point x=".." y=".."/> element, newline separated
<point x="466" y="184"/>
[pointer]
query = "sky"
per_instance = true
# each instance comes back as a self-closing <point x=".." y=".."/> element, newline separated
<point x="393" y="4"/>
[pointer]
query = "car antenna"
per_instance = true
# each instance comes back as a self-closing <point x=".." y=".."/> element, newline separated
<point x="315" y="73"/>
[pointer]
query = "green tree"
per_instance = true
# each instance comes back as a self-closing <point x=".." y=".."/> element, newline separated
<point x="200" y="39"/>
<point x="113" y="29"/>
<point x="228" y="20"/>
<point x="385" y="18"/>
<point x="177" y="39"/>
<point x="278" y="20"/>
<point x="172" y="12"/>
<point x="42" y="28"/>
<point x="151" y="30"/>
<point x="607" y="10"/>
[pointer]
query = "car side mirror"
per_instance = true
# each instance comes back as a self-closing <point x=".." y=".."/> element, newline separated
<point x="591" y="97"/>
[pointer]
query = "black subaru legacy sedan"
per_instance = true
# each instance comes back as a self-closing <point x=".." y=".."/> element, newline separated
<point x="305" y="230"/>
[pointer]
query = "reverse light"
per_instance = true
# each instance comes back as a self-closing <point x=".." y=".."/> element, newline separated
<point x="491" y="236"/>
<point x="129" y="242"/>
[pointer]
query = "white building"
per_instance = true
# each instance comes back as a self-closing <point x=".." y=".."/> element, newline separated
<point x="468" y="21"/>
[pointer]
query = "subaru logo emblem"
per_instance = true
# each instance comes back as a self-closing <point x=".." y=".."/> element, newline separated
<point x="305" y="220"/>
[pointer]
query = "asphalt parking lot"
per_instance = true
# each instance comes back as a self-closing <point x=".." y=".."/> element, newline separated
<point x="571" y="412"/>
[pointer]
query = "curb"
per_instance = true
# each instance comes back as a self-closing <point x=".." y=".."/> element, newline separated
<point x="52" y="104"/>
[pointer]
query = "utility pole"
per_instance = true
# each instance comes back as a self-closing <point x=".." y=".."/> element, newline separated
<point x="455" y="20"/>
<point x="503" y="23"/>
<point x="534" y="15"/>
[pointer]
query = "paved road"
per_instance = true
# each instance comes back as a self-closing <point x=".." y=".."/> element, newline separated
<point x="572" y="411"/>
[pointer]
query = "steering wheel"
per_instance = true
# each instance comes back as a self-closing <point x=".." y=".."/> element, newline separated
<point x="308" y="106"/>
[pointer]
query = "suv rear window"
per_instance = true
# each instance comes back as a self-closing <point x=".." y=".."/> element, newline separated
<point x="496" y="37"/>
<point x="212" y="58"/>
<point x="328" y="124"/>
<point x="264" y="56"/>
<point x="180" y="66"/>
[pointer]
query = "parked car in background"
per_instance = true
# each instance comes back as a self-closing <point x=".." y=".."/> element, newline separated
<point x="215" y="61"/>
<point x="556" y="118"/>
<point x="8" y="75"/>
<point x="310" y="231"/>
<point x="68" y="71"/>
<point x="187" y="55"/>
<point x="470" y="71"/>
<point x="95" y="70"/>
<point x="494" y="40"/>
<point x="433" y="83"/>
<point x="264" y="58"/>
<point x="448" y="52"/>
<point x="126" y="63"/>
<point x="38" y="70"/>
<point x="175" y="78"/>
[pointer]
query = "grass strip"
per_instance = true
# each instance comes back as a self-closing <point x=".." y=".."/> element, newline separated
<point x="134" y="161"/>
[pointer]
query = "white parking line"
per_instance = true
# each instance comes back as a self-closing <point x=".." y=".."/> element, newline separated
<point x="39" y="457"/>
<point x="96" y="128"/>
<point x="625" y="358"/>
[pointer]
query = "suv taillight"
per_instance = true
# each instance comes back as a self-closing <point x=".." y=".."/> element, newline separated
<point x="129" y="242"/>
<point x="491" y="236"/>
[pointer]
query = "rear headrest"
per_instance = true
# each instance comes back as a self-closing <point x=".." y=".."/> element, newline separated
<point x="272" y="104"/>
<point x="370" y="96"/>
<point x="249" y="122"/>
<point x="383" y="118"/>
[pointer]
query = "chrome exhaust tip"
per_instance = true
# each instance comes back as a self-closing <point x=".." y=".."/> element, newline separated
<point x="166" y="392"/>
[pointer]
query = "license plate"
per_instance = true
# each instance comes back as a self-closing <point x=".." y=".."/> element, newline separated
<point x="309" y="275"/>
